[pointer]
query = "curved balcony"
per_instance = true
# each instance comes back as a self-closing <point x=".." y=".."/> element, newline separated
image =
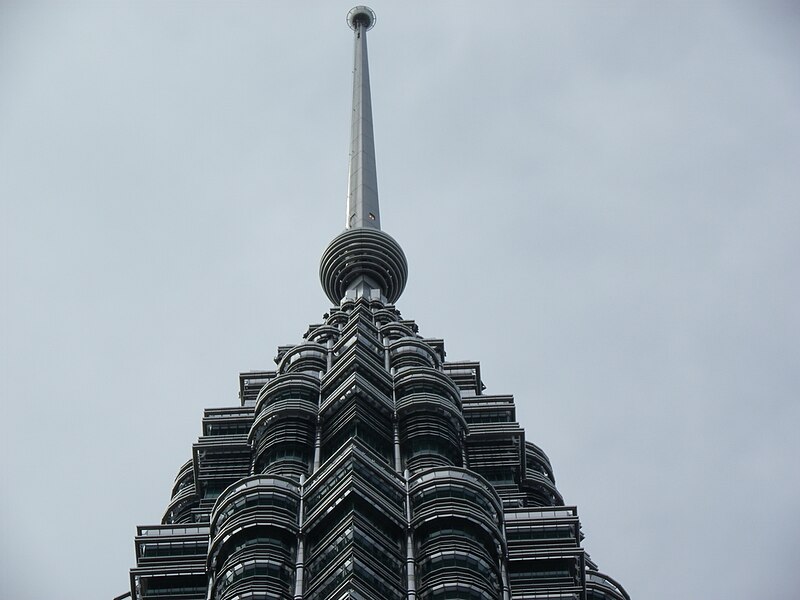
<point x="296" y="386"/>
<point x="184" y="477"/>
<point x="323" y="333"/>
<point x="257" y="560"/>
<point x="457" y="522"/>
<point x="425" y="380"/>
<point x="434" y="404"/>
<point x="253" y="497"/>
<point x="279" y="410"/>
<point x="539" y="490"/>
<point x="179" y="509"/>
<point x="384" y="316"/>
<point x="600" y="586"/>
<point x="459" y="590"/>
<point x="444" y="568"/>
<point x="251" y="507"/>
<point x="283" y="438"/>
<point x="347" y="305"/>
<point x="375" y="304"/>
<point x="429" y="417"/>
<point x="337" y="319"/>
<point x="394" y="330"/>
<point x="253" y="542"/>
<point x="450" y="533"/>
<point x="309" y="357"/>
<point x="255" y="578"/>
<point x="456" y="492"/>
<point x="409" y="351"/>
<point x="257" y="542"/>
<point x="430" y="432"/>
<point x="535" y="458"/>
<point x="282" y="435"/>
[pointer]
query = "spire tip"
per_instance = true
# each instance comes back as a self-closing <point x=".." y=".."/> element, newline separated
<point x="361" y="15"/>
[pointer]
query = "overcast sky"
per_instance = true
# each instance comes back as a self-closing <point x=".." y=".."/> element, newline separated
<point x="598" y="201"/>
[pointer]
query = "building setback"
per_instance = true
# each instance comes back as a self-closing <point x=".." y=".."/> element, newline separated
<point x="365" y="466"/>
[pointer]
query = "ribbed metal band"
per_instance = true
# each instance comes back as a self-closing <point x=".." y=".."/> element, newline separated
<point x="363" y="252"/>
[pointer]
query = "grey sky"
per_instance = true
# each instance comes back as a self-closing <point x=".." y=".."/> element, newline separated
<point x="598" y="201"/>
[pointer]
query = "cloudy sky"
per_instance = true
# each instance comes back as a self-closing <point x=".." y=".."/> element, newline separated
<point x="600" y="201"/>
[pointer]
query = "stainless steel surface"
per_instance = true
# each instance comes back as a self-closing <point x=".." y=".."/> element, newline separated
<point x="362" y="187"/>
<point x="362" y="261"/>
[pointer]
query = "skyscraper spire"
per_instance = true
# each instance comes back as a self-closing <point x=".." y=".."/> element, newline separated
<point x="362" y="185"/>
<point x="365" y="465"/>
<point x="362" y="261"/>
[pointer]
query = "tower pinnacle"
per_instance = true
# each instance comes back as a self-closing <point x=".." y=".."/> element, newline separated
<point x="362" y="260"/>
<point x="362" y="185"/>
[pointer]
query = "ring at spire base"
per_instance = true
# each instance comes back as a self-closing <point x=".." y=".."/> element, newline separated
<point x="363" y="255"/>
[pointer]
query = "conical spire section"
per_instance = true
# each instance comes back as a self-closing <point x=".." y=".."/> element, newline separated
<point x="362" y="191"/>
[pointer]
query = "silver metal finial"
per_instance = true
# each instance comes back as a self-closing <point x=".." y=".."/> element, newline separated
<point x="362" y="185"/>
<point x="362" y="261"/>
<point x="361" y="15"/>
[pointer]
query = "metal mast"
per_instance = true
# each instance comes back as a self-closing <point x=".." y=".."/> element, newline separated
<point x="362" y="185"/>
<point x="362" y="261"/>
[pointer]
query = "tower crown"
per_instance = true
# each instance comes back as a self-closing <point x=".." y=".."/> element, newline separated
<point x="366" y="465"/>
<point x="363" y="260"/>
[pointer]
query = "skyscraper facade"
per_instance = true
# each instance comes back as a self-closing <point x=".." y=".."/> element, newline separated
<point x="365" y="465"/>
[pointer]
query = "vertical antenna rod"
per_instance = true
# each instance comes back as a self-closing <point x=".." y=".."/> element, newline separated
<point x="362" y="186"/>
